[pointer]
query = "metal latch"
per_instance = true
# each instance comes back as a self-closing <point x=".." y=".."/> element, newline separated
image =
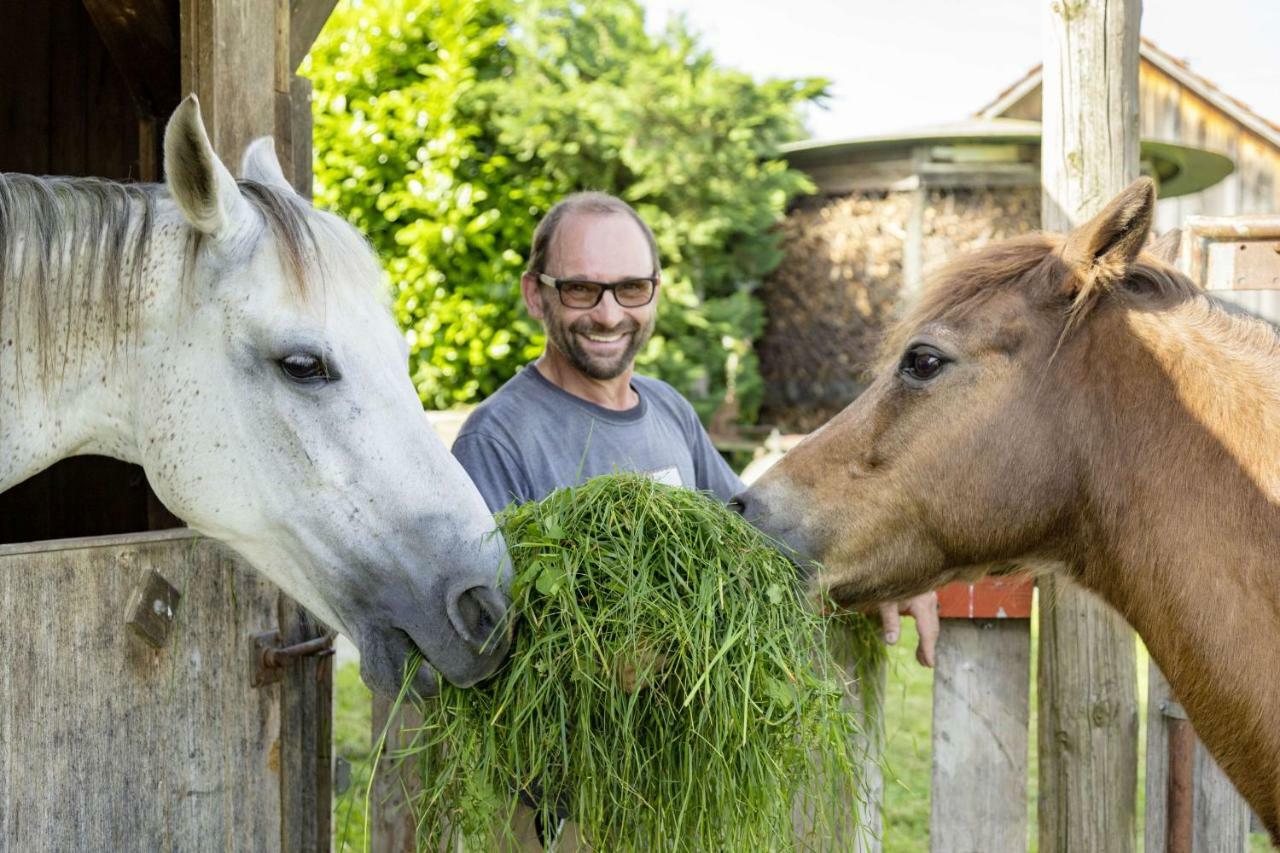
<point x="267" y="659"/>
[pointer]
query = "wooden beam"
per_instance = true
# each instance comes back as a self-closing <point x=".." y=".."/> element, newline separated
<point x="228" y="60"/>
<point x="1088" y="703"/>
<point x="306" y="20"/>
<point x="142" y="38"/>
<point x="980" y="724"/>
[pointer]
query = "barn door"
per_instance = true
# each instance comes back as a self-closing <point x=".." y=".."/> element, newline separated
<point x="127" y="716"/>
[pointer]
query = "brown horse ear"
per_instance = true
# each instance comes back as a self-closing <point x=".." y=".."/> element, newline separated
<point x="1100" y="251"/>
<point x="1165" y="248"/>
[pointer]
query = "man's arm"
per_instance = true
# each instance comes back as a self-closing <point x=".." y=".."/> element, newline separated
<point x="713" y="473"/>
<point x="496" y="471"/>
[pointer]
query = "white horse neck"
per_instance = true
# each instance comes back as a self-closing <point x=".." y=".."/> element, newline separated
<point x="83" y="265"/>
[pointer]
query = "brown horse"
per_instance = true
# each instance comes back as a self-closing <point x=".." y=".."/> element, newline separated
<point x="1072" y="402"/>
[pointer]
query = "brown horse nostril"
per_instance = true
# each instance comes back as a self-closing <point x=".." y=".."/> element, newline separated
<point x="479" y="615"/>
<point x="737" y="505"/>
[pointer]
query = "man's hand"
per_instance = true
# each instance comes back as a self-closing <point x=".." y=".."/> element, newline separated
<point x="925" y="610"/>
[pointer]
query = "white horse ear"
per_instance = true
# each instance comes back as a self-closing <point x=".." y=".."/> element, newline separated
<point x="204" y="190"/>
<point x="1100" y="251"/>
<point x="261" y="164"/>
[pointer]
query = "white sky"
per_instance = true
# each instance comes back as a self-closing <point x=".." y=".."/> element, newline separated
<point x="897" y="64"/>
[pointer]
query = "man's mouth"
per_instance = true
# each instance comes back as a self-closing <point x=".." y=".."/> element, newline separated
<point x="604" y="339"/>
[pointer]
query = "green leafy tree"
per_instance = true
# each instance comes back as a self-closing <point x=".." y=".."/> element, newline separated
<point x="446" y="128"/>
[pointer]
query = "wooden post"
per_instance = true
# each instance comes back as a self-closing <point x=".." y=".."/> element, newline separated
<point x="981" y="712"/>
<point x="236" y="58"/>
<point x="1088" y="707"/>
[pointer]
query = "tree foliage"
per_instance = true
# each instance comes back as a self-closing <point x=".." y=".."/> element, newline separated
<point x="444" y="129"/>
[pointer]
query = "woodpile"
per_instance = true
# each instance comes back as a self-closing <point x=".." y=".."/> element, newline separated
<point x="840" y="284"/>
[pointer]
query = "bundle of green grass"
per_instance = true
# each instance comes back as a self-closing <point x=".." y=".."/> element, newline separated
<point x="670" y="687"/>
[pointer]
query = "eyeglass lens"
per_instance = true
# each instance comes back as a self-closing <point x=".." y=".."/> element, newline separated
<point x="586" y="294"/>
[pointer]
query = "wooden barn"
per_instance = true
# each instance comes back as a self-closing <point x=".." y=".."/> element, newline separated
<point x="128" y="715"/>
<point x="888" y="209"/>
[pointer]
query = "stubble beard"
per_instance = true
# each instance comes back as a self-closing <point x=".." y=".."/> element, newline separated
<point x="564" y="338"/>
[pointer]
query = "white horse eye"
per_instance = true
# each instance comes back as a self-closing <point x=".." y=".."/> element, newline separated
<point x="304" y="367"/>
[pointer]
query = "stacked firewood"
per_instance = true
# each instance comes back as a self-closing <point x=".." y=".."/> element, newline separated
<point x="840" y="285"/>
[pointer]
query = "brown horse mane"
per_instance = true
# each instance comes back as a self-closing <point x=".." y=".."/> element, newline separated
<point x="1033" y="262"/>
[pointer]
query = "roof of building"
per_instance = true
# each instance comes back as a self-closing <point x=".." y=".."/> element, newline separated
<point x="1179" y="169"/>
<point x="1177" y="69"/>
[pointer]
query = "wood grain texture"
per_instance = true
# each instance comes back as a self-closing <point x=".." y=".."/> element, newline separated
<point x="1088" y="704"/>
<point x="1221" y="823"/>
<point x="980" y="728"/>
<point x="106" y="743"/>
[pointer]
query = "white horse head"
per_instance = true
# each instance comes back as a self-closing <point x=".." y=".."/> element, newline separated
<point x="230" y="339"/>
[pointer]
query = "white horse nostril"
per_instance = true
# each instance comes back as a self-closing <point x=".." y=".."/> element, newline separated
<point x="479" y="616"/>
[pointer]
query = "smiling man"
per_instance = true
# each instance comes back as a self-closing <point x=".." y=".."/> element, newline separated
<point x="579" y="411"/>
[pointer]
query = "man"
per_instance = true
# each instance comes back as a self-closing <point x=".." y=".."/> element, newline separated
<point x="593" y="281"/>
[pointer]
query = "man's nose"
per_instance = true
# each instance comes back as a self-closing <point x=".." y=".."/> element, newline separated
<point x="608" y="313"/>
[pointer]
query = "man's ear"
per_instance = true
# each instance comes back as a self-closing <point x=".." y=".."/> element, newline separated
<point x="529" y="285"/>
<point x="1100" y="252"/>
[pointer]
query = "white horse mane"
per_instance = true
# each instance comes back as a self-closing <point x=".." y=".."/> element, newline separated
<point x="72" y="245"/>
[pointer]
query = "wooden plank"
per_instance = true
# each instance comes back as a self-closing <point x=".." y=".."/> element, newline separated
<point x="1221" y="822"/>
<point x="981" y="713"/>
<point x="1088" y="704"/>
<point x="391" y="827"/>
<point x="306" y="744"/>
<point x="863" y="828"/>
<point x="228" y="60"/>
<point x="293" y="134"/>
<point x="307" y="19"/>
<point x="27" y="91"/>
<point x="113" y="745"/>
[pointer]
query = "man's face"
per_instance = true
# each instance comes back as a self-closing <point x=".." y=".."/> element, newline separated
<point x="600" y="342"/>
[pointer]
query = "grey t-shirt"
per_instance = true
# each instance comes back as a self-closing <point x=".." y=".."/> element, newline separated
<point x="532" y="437"/>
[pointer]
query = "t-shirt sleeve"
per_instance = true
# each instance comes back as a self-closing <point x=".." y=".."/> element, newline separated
<point x="714" y="474"/>
<point x="496" y="472"/>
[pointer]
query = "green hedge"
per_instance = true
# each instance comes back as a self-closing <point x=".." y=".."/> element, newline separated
<point x="445" y="128"/>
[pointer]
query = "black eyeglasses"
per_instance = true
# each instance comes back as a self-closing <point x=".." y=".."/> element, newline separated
<point x="581" y="293"/>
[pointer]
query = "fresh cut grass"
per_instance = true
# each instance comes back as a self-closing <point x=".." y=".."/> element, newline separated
<point x="669" y="687"/>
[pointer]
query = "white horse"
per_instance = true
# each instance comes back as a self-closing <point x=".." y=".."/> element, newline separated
<point x="230" y="339"/>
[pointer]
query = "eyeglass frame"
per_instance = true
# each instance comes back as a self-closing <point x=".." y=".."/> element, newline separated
<point x="557" y="283"/>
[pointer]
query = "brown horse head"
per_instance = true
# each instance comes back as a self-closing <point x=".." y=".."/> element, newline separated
<point x="962" y="450"/>
<point x="1072" y="403"/>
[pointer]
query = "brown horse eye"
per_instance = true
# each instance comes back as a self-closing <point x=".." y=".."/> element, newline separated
<point x="922" y="363"/>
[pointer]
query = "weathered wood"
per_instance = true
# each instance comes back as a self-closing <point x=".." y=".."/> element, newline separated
<point x="142" y="37"/>
<point x="1088" y="704"/>
<point x="306" y="21"/>
<point x="1221" y="822"/>
<point x="862" y="827"/>
<point x="391" y="827"/>
<point x="112" y="745"/>
<point x="228" y="60"/>
<point x="980" y="724"/>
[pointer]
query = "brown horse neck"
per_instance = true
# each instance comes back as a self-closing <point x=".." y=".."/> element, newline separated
<point x="1182" y="527"/>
